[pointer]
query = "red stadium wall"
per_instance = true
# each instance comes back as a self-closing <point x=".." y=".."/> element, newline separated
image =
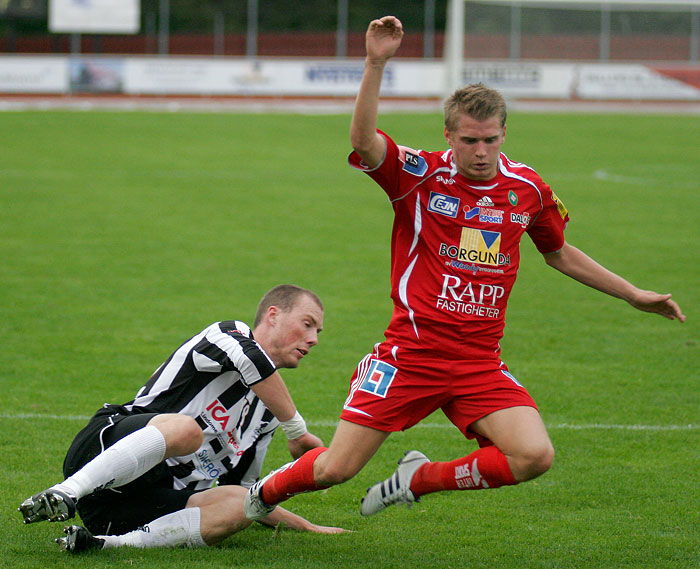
<point x="482" y="46"/>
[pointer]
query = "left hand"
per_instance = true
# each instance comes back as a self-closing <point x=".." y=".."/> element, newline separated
<point x="301" y="444"/>
<point x="313" y="528"/>
<point x="649" y="301"/>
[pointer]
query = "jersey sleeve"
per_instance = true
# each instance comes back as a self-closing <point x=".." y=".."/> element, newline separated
<point x="229" y="346"/>
<point x="547" y="230"/>
<point x="401" y="168"/>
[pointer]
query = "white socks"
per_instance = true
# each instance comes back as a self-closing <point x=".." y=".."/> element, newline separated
<point x="123" y="462"/>
<point x="172" y="530"/>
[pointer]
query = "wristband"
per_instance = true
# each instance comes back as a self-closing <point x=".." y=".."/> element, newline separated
<point x="295" y="427"/>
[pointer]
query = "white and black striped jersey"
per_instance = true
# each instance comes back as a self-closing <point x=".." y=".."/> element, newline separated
<point x="209" y="379"/>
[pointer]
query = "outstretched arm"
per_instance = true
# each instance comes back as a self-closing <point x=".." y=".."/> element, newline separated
<point x="382" y="39"/>
<point x="280" y="515"/>
<point x="579" y="266"/>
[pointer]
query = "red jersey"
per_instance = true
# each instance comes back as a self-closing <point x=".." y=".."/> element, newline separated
<point x="455" y="247"/>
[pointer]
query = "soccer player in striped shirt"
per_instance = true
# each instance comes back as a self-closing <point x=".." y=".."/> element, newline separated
<point x="459" y="216"/>
<point x="171" y="467"/>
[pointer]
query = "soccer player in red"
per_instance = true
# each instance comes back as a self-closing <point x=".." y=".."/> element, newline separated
<point x="459" y="218"/>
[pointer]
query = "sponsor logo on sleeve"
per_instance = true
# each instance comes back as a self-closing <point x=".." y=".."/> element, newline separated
<point x="442" y="204"/>
<point x="561" y="208"/>
<point x="415" y="164"/>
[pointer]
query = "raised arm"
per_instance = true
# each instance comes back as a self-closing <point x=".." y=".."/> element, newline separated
<point x="382" y="39"/>
<point x="579" y="266"/>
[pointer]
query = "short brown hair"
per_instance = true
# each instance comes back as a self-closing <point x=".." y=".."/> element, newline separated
<point x="283" y="297"/>
<point x="477" y="101"/>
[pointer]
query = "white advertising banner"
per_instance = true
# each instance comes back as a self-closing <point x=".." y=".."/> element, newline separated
<point x="239" y="76"/>
<point x="95" y="16"/>
<point x="522" y="79"/>
<point x="630" y="82"/>
<point x="179" y="75"/>
<point x="33" y="74"/>
<point x="401" y="78"/>
<point x="336" y="78"/>
<point x="274" y="77"/>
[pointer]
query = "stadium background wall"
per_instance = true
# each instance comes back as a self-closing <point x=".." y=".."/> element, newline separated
<point x="322" y="44"/>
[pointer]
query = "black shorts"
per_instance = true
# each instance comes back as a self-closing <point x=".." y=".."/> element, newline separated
<point x="120" y="510"/>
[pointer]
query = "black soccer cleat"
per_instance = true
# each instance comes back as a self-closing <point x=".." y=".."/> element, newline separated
<point x="52" y="505"/>
<point x="78" y="539"/>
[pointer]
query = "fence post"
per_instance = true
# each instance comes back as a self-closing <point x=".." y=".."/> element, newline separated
<point x="251" y="38"/>
<point x="164" y="27"/>
<point x="604" y="46"/>
<point x="341" y="33"/>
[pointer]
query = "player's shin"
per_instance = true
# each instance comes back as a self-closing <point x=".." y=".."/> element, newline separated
<point x="292" y="479"/>
<point x="181" y="528"/>
<point x="484" y="468"/>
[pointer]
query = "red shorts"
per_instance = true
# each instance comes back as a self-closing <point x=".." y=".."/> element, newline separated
<point x="394" y="388"/>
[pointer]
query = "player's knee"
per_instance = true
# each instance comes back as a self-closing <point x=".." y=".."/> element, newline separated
<point x="544" y="459"/>
<point x="191" y="435"/>
<point x="182" y="433"/>
<point x="234" y="521"/>
<point x="221" y="510"/>
<point x="536" y="460"/>
<point x="330" y="474"/>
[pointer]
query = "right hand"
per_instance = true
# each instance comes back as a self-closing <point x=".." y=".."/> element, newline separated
<point x="383" y="38"/>
<point x="305" y="442"/>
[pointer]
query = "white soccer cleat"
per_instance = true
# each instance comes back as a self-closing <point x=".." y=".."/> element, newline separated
<point x="397" y="488"/>
<point x="253" y="506"/>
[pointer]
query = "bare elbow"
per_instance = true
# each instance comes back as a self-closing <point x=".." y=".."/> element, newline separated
<point x="370" y="148"/>
<point x="549" y="258"/>
<point x="553" y="259"/>
<point x="361" y="143"/>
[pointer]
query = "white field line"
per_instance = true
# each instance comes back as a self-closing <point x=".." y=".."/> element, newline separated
<point x="563" y="426"/>
<point x="318" y="105"/>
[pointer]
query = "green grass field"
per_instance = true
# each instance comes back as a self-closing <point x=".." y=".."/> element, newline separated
<point x="121" y="234"/>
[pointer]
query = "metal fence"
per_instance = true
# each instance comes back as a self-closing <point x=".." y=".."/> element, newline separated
<point x="335" y="28"/>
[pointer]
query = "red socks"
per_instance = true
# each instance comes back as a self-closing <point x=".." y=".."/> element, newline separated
<point x="484" y="468"/>
<point x="295" y="478"/>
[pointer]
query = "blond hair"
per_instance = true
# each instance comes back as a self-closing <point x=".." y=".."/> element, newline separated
<point x="477" y="101"/>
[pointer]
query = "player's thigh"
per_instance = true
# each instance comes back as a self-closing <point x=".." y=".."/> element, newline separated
<point x="515" y="430"/>
<point x="101" y="432"/>
<point x="124" y="426"/>
<point x="484" y="390"/>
